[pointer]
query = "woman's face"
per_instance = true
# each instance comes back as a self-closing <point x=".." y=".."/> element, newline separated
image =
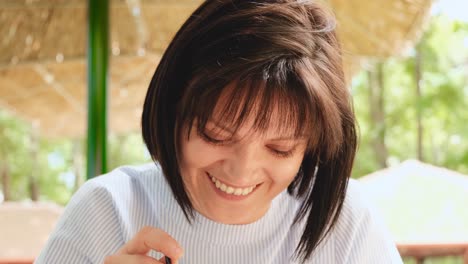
<point x="234" y="181"/>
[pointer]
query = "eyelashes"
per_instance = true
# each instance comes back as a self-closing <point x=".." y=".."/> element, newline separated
<point x="224" y="142"/>
<point x="283" y="154"/>
<point x="212" y="140"/>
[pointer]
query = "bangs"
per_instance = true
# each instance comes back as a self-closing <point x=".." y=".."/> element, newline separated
<point x="262" y="101"/>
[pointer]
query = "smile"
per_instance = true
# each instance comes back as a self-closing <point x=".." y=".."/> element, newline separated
<point x="230" y="189"/>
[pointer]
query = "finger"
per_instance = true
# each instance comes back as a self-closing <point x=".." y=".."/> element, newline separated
<point x="153" y="238"/>
<point x="129" y="259"/>
<point x="165" y="261"/>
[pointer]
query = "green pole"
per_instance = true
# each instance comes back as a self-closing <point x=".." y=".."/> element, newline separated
<point x="98" y="47"/>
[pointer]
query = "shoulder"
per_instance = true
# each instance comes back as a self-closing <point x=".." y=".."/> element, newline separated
<point x="110" y="197"/>
<point x="125" y="175"/>
<point x="125" y="181"/>
<point x="360" y="235"/>
<point x="125" y="189"/>
<point x="356" y="204"/>
<point x="356" y="209"/>
<point x="98" y="218"/>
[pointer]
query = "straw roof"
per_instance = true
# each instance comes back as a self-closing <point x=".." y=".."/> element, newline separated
<point x="43" y="64"/>
<point x="27" y="225"/>
<point x="420" y="203"/>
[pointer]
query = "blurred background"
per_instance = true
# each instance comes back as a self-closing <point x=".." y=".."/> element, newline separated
<point x="407" y="66"/>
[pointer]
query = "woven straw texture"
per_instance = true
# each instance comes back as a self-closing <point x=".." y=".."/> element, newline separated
<point x="43" y="52"/>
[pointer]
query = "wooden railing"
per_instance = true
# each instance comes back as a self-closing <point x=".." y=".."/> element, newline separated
<point x="16" y="261"/>
<point x="420" y="252"/>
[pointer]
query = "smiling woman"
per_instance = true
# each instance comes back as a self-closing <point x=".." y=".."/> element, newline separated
<point x="248" y="167"/>
<point x="250" y="124"/>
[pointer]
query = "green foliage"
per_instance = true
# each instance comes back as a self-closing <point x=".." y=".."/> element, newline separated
<point x="444" y="102"/>
<point x="53" y="165"/>
<point x="14" y="144"/>
<point x="127" y="149"/>
<point x="16" y="153"/>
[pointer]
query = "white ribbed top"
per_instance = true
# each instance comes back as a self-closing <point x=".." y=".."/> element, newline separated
<point x="109" y="210"/>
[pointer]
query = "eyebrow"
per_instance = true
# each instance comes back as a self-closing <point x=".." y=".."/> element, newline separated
<point x="281" y="138"/>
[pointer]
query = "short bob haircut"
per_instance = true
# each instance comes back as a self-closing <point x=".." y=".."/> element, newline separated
<point x="276" y="52"/>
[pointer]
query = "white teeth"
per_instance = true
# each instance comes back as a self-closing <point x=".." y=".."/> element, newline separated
<point x="223" y="187"/>
<point x="231" y="190"/>
<point x="238" y="191"/>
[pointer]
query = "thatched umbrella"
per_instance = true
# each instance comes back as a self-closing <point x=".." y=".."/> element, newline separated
<point x="42" y="58"/>
<point x="421" y="203"/>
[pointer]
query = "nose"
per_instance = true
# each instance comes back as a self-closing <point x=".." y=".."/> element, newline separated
<point x="244" y="164"/>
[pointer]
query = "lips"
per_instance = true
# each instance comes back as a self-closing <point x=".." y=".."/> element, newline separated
<point x="232" y="190"/>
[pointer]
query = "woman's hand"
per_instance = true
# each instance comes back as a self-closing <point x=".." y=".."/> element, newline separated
<point x="148" y="238"/>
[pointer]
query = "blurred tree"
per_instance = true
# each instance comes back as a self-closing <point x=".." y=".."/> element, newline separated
<point x="376" y="88"/>
<point x="6" y="188"/>
<point x="14" y="140"/>
<point x="33" y="175"/>
<point x="30" y="163"/>
<point x="418" y="71"/>
<point x="78" y="161"/>
<point x="442" y="106"/>
<point x="127" y="149"/>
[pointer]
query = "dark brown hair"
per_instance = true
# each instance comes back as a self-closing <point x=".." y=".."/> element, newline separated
<point x="282" y="52"/>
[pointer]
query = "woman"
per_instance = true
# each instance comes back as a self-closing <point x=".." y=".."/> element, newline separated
<point x="251" y="128"/>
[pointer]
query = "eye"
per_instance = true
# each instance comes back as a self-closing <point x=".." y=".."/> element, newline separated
<point x="282" y="153"/>
<point x="211" y="139"/>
